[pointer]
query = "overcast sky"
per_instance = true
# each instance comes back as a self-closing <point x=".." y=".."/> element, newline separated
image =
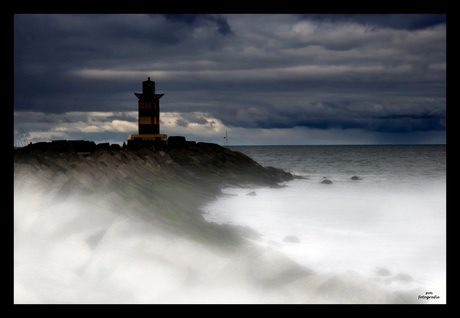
<point x="265" y="79"/>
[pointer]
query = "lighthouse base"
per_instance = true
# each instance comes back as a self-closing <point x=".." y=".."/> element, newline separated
<point x="158" y="141"/>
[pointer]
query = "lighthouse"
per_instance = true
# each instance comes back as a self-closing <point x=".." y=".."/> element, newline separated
<point x="148" y="118"/>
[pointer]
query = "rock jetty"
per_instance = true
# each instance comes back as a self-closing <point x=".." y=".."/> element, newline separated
<point x="101" y="223"/>
<point x="180" y="178"/>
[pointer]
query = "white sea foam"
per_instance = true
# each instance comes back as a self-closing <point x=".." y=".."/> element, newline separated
<point x="388" y="227"/>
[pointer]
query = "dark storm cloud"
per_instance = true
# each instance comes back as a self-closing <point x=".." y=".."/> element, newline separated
<point x="370" y="72"/>
<point x="48" y="48"/>
<point x="396" y="21"/>
<point x="214" y="20"/>
<point x="337" y="115"/>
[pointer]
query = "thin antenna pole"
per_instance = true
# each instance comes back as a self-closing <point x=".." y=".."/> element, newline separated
<point x="226" y="140"/>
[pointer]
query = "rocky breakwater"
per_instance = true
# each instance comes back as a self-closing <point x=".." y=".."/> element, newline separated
<point x="225" y="167"/>
<point x="110" y="224"/>
<point x="168" y="185"/>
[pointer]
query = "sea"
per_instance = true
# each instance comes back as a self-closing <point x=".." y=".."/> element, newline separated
<point x="388" y="226"/>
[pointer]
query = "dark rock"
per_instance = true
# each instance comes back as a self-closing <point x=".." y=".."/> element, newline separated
<point x="82" y="145"/>
<point x="177" y="142"/>
<point x="403" y="277"/>
<point x="252" y="193"/>
<point x="37" y="146"/>
<point x="383" y="272"/>
<point x="115" y="147"/>
<point x="355" y="178"/>
<point x="145" y="151"/>
<point x="291" y="239"/>
<point x="94" y="239"/>
<point x="61" y="146"/>
<point x="104" y="145"/>
<point x="326" y="181"/>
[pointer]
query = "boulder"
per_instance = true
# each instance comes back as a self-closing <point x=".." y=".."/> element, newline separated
<point x="383" y="272"/>
<point x="403" y="277"/>
<point x="355" y="178"/>
<point x="177" y="142"/>
<point x="326" y="181"/>
<point x="103" y="145"/>
<point x="291" y="239"/>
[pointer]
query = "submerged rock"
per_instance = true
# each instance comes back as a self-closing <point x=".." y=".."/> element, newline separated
<point x="383" y="272"/>
<point x="252" y="193"/>
<point x="291" y="239"/>
<point x="326" y="181"/>
<point x="401" y="277"/>
<point x="355" y="178"/>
